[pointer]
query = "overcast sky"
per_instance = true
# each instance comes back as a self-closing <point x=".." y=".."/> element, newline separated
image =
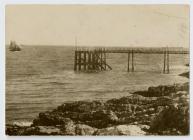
<point x="104" y="25"/>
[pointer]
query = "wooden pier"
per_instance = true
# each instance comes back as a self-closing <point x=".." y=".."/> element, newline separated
<point x="89" y="59"/>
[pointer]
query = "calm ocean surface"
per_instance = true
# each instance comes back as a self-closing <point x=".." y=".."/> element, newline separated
<point x="40" y="78"/>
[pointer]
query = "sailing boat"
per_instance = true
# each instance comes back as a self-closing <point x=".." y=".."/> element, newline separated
<point x="14" y="47"/>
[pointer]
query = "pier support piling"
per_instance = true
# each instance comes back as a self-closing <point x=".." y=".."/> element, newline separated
<point x="132" y="61"/>
<point x="128" y="68"/>
<point x="75" y="60"/>
<point x="89" y="60"/>
<point x="166" y="67"/>
<point x="79" y="60"/>
<point x="84" y="60"/>
<point x="168" y="64"/>
<point x="130" y="55"/>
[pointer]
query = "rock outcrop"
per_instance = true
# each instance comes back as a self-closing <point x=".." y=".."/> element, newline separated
<point x="162" y="110"/>
<point x="173" y="119"/>
<point x="185" y="74"/>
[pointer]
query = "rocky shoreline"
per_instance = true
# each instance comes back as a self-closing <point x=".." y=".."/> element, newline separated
<point x="161" y="110"/>
<point x="185" y="74"/>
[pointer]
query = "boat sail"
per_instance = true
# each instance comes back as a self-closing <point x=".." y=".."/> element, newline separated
<point x="14" y="47"/>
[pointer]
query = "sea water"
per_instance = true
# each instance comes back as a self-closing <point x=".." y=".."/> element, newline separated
<point x="39" y="78"/>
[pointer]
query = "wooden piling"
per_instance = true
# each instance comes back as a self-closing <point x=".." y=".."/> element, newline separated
<point x="164" y="69"/>
<point x="132" y="61"/>
<point x="97" y="60"/>
<point x="89" y="60"/>
<point x="84" y="60"/>
<point x="168" y="65"/>
<point x="75" y="61"/>
<point x="105" y="63"/>
<point x="128" y="69"/>
<point x="79" y="60"/>
<point x="100" y="59"/>
<point x="93" y="60"/>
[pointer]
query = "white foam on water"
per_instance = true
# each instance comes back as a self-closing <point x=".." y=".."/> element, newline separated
<point x="22" y="123"/>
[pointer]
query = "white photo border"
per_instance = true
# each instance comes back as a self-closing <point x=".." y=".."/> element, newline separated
<point x="3" y="3"/>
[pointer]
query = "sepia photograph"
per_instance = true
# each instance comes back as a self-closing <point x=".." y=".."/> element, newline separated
<point x="97" y="69"/>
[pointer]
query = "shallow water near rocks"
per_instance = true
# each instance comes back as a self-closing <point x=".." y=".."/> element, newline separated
<point x="39" y="78"/>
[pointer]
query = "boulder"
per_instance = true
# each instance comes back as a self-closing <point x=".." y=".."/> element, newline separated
<point x="144" y="127"/>
<point x="13" y="130"/>
<point x="172" y="117"/>
<point x="129" y="130"/>
<point x="111" y="116"/>
<point x="68" y="128"/>
<point x="102" y="119"/>
<point x="50" y="119"/>
<point x="22" y="123"/>
<point x="160" y="91"/>
<point x="82" y="129"/>
<point x="109" y="131"/>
